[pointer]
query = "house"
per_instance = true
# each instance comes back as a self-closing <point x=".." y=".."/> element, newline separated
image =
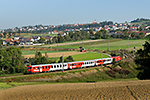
<point x="62" y="34"/>
<point x="35" y="38"/>
<point x="16" y="37"/>
<point x="1" y="37"/>
<point x="7" y="41"/>
<point x="27" y="41"/>
<point x="48" y="38"/>
<point x="147" y="32"/>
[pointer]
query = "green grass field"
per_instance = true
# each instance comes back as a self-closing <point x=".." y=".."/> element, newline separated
<point x="38" y="35"/>
<point x="28" y="52"/>
<point x="85" y="56"/>
<point x="113" y="45"/>
<point x="88" y="56"/>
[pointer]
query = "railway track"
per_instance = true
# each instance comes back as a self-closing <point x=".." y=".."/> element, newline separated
<point x="59" y="71"/>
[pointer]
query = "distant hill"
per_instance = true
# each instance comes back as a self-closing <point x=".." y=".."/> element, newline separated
<point x="140" y="20"/>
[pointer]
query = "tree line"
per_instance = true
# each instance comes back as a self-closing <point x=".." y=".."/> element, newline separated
<point x="11" y="61"/>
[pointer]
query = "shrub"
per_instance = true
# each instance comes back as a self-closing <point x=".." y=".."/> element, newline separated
<point x="111" y="73"/>
<point x="2" y="72"/>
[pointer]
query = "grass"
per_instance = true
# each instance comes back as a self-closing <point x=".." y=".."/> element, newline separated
<point x="29" y="35"/>
<point x="16" y="74"/>
<point x="88" y="56"/>
<point x="85" y="56"/>
<point x="5" y="85"/>
<point x="27" y="52"/>
<point x="113" y="45"/>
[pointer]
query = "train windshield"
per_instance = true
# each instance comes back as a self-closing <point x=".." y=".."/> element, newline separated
<point x="29" y="67"/>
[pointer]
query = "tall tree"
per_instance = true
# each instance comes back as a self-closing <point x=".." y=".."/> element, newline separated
<point x="4" y="34"/>
<point x="9" y="34"/>
<point x="142" y="59"/>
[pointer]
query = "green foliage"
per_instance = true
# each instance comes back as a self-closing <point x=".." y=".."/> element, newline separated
<point x="42" y="40"/>
<point x="142" y="59"/>
<point x="11" y="60"/>
<point x="69" y="59"/>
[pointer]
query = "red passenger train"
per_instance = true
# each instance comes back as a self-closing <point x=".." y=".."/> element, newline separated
<point x="71" y="65"/>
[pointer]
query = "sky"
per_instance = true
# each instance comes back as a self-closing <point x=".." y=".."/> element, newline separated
<point x="19" y="13"/>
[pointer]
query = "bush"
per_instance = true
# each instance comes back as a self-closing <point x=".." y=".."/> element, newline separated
<point x="2" y="72"/>
<point x="111" y="73"/>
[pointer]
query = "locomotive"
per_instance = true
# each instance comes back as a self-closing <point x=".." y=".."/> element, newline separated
<point x="71" y="65"/>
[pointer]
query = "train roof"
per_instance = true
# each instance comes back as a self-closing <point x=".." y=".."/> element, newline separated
<point x="48" y="64"/>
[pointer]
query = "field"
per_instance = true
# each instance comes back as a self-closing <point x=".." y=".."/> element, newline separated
<point x="88" y="56"/>
<point x="53" y="54"/>
<point x="113" y="45"/>
<point x="77" y="56"/>
<point x="29" y="52"/>
<point x="119" y="90"/>
<point x="29" y="35"/>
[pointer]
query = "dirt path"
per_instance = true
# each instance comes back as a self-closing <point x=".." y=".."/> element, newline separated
<point x="119" y="90"/>
<point x="58" y="54"/>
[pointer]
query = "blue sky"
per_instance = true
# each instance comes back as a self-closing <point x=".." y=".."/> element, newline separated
<point x="18" y="13"/>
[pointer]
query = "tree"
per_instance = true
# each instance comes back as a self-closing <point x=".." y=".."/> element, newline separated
<point x="9" y="34"/>
<point x="19" y="31"/>
<point x="60" y="39"/>
<point x="98" y="35"/>
<point x="4" y="34"/>
<point x="42" y="40"/>
<point x="69" y="59"/>
<point x="14" y="33"/>
<point x="142" y="59"/>
<point x="134" y="35"/>
<point x="141" y="35"/>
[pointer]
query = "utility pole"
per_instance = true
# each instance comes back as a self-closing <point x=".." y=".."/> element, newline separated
<point x="128" y="45"/>
<point x="57" y="43"/>
<point x="108" y="45"/>
<point x="95" y="45"/>
<point x="62" y="62"/>
<point x="101" y="58"/>
<point x="123" y="55"/>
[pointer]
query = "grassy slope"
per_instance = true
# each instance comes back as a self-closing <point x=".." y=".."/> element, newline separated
<point x="123" y="44"/>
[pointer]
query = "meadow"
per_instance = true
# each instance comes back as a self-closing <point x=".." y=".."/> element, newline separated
<point x="113" y="45"/>
<point x="88" y="56"/>
<point x="29" y="35"/>
<point x="28" y="52"/>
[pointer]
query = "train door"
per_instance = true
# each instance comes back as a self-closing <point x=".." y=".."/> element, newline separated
<point x="40" y="68"/>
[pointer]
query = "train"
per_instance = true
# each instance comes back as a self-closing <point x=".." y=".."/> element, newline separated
<point x="71" y="65"/>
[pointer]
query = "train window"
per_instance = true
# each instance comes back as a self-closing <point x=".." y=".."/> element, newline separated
<point x="54" y="66"/>
<point x="43" y="67"/>
<point x="60" y="65"/>
<point x="57" y="66"/>
<point x="72" y="64"/>
<point x="46" y="67"/>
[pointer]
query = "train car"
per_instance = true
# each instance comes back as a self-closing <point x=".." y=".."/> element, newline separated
<point x="46" y="67"/>
<point x="80" y="64"/>
<point x="116" y="58"/>
<point x="71" y="65"/>
<point x="103" y="61"/>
